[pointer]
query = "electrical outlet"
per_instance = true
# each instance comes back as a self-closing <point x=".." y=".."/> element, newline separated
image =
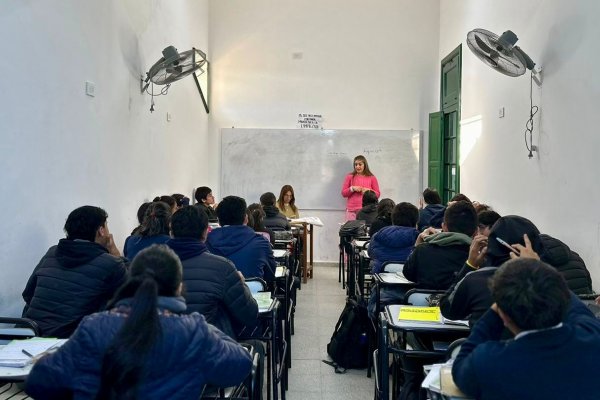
<point x="501" y="112"/>
<point x="90" y="88"/>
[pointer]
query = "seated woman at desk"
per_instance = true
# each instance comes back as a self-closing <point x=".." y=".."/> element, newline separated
<point x="355" y="184"/>
<point x="144" y="346"/>
<point x="286" y="203"/>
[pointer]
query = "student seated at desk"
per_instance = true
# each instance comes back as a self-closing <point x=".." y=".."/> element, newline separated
<point x="154" y="229"/>
<point x="438" y="256"/>
<point x="250" y="252"/>
<point x="206" y="202"/>
<point x="368" y="212"/>
<point x="143" y="348"/>
<point x="384" y="216"/>
<point x="556" y="348"/>
<point x="273" y="218"/>
<point x="286" y="203"/>
<point x="256" y="217"/>
<point x="77" y="277"/>
<point x="430" y="204"/>
<point x="469" y="297"/>
<point x="213" y="287"/>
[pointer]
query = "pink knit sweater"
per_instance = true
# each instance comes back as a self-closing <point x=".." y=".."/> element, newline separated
<point x="354" y="202"/>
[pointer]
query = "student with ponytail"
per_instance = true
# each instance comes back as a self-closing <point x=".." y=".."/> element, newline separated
<point x="144" y="347"/>
<point x="153" y="230"/>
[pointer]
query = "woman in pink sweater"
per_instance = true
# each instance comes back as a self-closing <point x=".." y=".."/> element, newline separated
<point x="356" y="183"/>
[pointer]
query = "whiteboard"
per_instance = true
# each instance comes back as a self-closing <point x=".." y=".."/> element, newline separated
<point x="315" y="162"/>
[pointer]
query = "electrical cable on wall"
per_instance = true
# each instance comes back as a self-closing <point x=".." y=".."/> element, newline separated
<point x="529" y="124"/>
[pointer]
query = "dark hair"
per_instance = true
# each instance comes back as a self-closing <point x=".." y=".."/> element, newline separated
<point x="461" y="217"/>
<point x="231" y="211"/>
<point x="405" y="214"/>
<point x="156" y="220"/>
<point x="385" y="207"/>
<point x="460" y="197"/>
<point x="142" y="211"/>
<point x="83" y="223"/>
<point x="431" y="196"/>
<point x="267" y="199"/>
<point x="201" y="193"/>
<point x="487" y="218"/>
<point x="155" y="271"/>
<point x="256" y="216"/>
<point x="369" y="197"/>
<point x="480" y="207"/>
<point x="366" y="170"/>
<point x="171" y="202"/>
<point x="181" y="199"/>
<point x="281" y="204"/>
<point x="532" y="293"/>
<point x="190" y="222"/>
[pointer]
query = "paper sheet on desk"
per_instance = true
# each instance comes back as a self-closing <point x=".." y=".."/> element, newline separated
<point x="263" y="299"/>
<point x="12" y="354"/>
<point x="316" y="221"/>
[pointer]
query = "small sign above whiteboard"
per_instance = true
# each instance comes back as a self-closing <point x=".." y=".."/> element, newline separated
<point x="309" y="121"/>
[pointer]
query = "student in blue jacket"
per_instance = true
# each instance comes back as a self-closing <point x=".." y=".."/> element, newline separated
<point x="144" y="347"/>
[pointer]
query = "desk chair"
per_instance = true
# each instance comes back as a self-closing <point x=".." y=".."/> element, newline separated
<point x="256" y="284"/>
<point x="22" y="328"/>
<point x="421" y="297"/>
<point x="247" y="390"/>
<point x="393" y="266"/>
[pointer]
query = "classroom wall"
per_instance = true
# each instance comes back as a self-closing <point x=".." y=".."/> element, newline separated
<point x="61" y="149"/>
<point x="557" y="189"/>
<point x="362" y="65"/>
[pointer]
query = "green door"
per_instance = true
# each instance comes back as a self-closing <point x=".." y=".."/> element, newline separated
<point x="450" y="105"/>
<point x="436" y="131"/>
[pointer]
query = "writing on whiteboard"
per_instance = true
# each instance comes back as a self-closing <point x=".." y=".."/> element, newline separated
<point x="372" y="151"/>
<point x="336" y="153"/>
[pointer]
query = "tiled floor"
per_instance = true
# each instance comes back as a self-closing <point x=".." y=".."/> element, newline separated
<point x="320" y="303"/>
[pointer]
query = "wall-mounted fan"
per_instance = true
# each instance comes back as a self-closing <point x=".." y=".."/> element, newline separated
<point x="500" y="53"/>
<point x="174" y="66"/>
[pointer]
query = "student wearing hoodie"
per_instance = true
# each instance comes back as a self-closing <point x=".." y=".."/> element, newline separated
<point x="433" y="205"/>
<point x="75" y="278"/>
<point x="274" y="219"/>
<point x="438" y="256"/>
<point x="213" y="286"/>
<point x="249" y="251"/>
<point x="368" y="212"/>
<point x="469" y="297"/>
<point x="396" y="242"/>
<point x="393" y="243"/>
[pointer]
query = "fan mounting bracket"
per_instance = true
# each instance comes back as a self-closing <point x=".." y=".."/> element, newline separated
<point x="537" y="75"/>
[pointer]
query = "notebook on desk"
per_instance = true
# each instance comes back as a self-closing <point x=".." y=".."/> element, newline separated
<point x="20" y="353"/>
<point x="264" y="300"/>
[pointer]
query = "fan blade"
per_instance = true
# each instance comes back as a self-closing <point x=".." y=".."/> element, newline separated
<point x="482" y="44"/>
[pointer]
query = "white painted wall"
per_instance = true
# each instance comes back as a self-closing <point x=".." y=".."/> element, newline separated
<point x="364" y="65"/>
<point x="557" y="189"/>
<point x="61" y="149"/>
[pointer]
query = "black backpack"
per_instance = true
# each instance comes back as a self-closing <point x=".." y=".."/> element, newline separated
<point x="353" y="228"/>
<point x="349" y="345"/>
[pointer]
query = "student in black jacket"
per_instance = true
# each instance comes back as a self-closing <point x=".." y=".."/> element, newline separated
<point x="77" y="277"/>
<point x="274" y="219"/>
<point x="206" y="202"/>
<point x="213" y="286"/>
<point x="368" y="212"/>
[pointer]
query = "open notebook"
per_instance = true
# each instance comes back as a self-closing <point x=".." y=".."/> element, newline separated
<point x="20" y="353"/>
